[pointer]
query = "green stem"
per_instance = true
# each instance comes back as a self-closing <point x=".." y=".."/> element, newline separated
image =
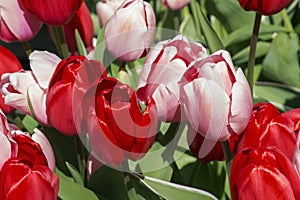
<point x="227" y="154"/>
<point x="253" y="43"/>
<point x="286" y="20"/>
<point x="60" y="41"/>
<point x="128" y="181"/>
<point x="176" y="20"/>
<point x="80" y="157"/>
<point x="27" y="48"/>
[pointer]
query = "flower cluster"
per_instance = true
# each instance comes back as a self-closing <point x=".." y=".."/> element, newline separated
<point x="148" y="103"/>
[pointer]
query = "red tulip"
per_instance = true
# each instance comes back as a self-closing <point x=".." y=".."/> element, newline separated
<point x="22" y="179"/>
<point x="216" y="98"/>
<point x="82" y="21"/>
<point x="165" y="64"/>
<point x="294" y="115"/>
<point x="208" y="150"/>
<point x="267" y="127"/>
<point x="8" y="63"/>
<point x="117" y="128"/>
<point x="132" y="39"/>
<point x="16" y="23"/>
<point x="175" y="4"/>
<point x="263" y="174"/>
<point x="265" y="7"/>
<point x="53" y="12"/>
<point x="59" y="102"/>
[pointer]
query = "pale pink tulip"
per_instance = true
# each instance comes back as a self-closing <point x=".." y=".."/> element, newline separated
<point x="164" y="66"/>
<point x="16" y="23"/>
<point x="106" y="9"/>
<point x="175" y="4"/>
<point x="217" y="99"/>
<point x="130" y="31"/>
<point x="28" y="89"/>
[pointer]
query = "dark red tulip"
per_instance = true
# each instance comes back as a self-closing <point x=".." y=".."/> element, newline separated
<point x="117" y="128"/>
<point x="82" y="21"/>
<point x="8" y="63"/>
<point x="59" y="101"/>
<point x="263" y="174"/>
<point x="53" y="12"/>
<point x="265" y="7"/>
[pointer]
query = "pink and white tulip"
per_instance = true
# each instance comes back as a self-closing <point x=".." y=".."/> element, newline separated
<point x="164" y="66"/>
<point x="175" y="4"/>
<point x="217" y="99"/>
<point x="27" y="90"/>
<point x="132" y="39"/>
<point x="23" y="26"/>
<point x="106" y="9"/>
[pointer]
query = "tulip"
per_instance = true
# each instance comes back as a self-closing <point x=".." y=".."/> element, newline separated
<point x="216" y="99"/>
<point x="132" y="39"/>
<point x="23" y="26"/>
<point x="22" y="179"/>
<point x="118" y="129"/>
<point x="106" y="9"/>
<point x="265" y="7"/>
<point x="26" y="90"/>
<point x="208" y="150"/>
<point x="175" y="4"/>
<point x="263" y="174"/>
<point x="53" y="12"/>
<point x="59" y="101"/>
<point x="164" y="66"/>
<point x="82" y="21"/>
<point x="267" y="127"/>
<point x="8" y="63"/>
<point x="294" y="115"/>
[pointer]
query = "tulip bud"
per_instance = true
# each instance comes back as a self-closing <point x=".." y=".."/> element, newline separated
<point x="175" y="4"/>
<point x="23" y="26"/>
<point x="118" y="129"/>
<point x="82" y="21"/>
<point x="53" y="12"/>
<point x="8" y="63"/>
<point x="265" y="7"/>
<point x="217" y="99"/>
<point x="59" y="101"/>
<point x="267" y="168"/>
<point x="106" y="9"/>
<point x="164" y="66"/>
<point x="130" y="31"/>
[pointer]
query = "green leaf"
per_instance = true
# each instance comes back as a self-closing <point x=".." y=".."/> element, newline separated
<point x="75" y="174"/>
<point x="229" y="13"/>
<point x="242" y="57"/>
<point x="64" y="148"/>
<point x="70" y="190"/>
<point x="175" y="191"/>
<point x="244" y="34"/>
<point x="282" y="96"/>
<point x="281" y="64"/>
<point x="80" y="44"/>
<point x="212" y="39"/>
<point x="29" y="123"/>
<point x="108" y="183"/>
